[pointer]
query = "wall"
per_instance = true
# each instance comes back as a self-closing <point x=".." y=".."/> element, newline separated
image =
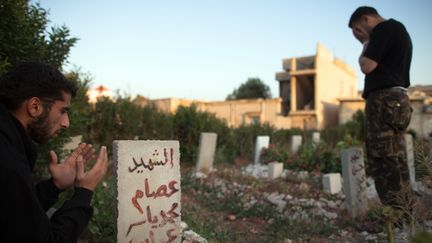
<point x="334" y="79"/>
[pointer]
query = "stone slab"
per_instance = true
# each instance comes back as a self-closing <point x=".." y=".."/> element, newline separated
<point x="354" y="181"/>
<point x="275" y="170"/>
<point x="148" y="191"/>
<point x="409" y="145"/>
<point x="332" y="183"/>
<point x="261" y="142"/>
<point x="296" y="142"/>
<point x="206" y="152"/>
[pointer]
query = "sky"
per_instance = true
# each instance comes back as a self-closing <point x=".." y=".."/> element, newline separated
<point x="200" y="49"/>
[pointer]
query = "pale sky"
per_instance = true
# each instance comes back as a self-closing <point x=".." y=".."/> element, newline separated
<point x="205" y="49"/>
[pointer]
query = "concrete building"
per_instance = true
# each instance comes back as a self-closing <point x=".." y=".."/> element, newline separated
<point x="315" y="92"/>
<point x="308" y="96"/>
<point x="310" y="87"/>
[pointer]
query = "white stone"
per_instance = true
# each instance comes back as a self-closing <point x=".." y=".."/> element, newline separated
<point x="192" y="237"/>
<point x="275" y="170"/>
<point x="332" y="183"/>
<point x="148" y="190"/>
<point x="296" y="142"/>
<point x="354" y="181"/>
<point x="206" y="152"/>
<point x="261" y="143"/>
<point x="409" y="145"/>
<point x="316" y="137"/>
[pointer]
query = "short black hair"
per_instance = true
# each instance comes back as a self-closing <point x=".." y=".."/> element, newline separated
<point x="360" y="12"/>
<point x="33" y="79"/>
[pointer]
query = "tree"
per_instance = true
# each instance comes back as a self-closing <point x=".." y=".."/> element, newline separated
<point x="253" y="88"/>
<point x="24" y="36"/>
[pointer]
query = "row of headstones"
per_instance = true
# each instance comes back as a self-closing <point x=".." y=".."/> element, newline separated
<point x="149" y="191"/>
<point x="353" y="173"/>
<point x="262" y="142"/>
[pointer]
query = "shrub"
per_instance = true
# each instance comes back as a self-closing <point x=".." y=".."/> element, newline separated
<point x="188" y="123"/>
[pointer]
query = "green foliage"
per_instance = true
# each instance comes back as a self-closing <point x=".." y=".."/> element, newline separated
<point x="189" y="123"/>
<point x="243" y="139"/>
<point x="355" y="129"/>
<point x="23" y="36"/>
<point x="102" y="225"/>
<point x="253" y="88"/>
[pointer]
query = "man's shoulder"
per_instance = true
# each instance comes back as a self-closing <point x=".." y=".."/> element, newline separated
<point x="394" y="24"/>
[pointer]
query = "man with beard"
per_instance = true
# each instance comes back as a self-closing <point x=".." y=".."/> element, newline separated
<point x="34" y="103"/>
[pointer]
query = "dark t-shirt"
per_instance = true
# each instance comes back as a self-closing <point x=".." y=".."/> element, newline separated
<point x="390" y="46"/>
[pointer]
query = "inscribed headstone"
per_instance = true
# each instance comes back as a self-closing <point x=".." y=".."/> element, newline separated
<point x="296" y="142"/>
<point x="261" y="142"/>
<point x="410" y="157"/>
<point x="332" y="183"/>
<point x="206" y="151"/>
<point x="148" y="191"/>
<point x="354" y="181"/>
<point x="275" y="170"/>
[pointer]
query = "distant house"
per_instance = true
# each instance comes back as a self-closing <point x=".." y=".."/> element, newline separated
<point x="98" y="92"/>
<point x="308" y="96"/>
<point x="315" y="92"/>
<point x="310" y="87"/>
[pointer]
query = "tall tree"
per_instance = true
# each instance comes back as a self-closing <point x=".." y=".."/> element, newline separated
<point x="253" y="88"/>
<point x="24" y="35"/>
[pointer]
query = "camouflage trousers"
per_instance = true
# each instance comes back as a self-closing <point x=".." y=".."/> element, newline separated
<point x="388" y="113"/>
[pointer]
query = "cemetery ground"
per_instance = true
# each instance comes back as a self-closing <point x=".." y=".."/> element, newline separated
<point x="229" y="206"/>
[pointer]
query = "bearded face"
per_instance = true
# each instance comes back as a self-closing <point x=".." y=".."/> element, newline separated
<point x="40" y="129"/>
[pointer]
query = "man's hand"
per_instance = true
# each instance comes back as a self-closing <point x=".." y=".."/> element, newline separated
<point x="91" y="179"/>
<point x="64" y="173"/>
<point x="360" y="34"/>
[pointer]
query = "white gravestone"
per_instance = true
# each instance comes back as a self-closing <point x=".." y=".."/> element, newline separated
<point x="354" y="181"/>
<point x="206" y="151"/>
<point x="296" y="142"/>
<point x="148" y="191"/>
<point x="316" y="137"/>
<point x="261" y="142"/>
<point x="332" y="183"/>
<point x="409" y="144"/>
<point x="275" y="170"/>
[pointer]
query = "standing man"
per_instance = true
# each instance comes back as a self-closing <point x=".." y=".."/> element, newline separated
<point x="34" y="103"/>
<point x="385" y="60"/>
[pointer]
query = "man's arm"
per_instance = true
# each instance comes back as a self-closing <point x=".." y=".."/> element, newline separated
<point x="367" y="65"/>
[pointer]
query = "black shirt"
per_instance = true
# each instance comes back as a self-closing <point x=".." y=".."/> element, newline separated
<point x="24" y="204"/>
<point x="390" y="46"/>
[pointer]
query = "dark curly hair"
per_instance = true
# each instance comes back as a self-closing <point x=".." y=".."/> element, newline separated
<point x="33" y="79"/>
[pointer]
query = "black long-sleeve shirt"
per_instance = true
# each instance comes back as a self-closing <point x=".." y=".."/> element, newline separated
<point x="23" y="204"/>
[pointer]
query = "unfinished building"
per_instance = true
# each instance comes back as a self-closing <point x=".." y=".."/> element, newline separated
<point x="310" y="87"/>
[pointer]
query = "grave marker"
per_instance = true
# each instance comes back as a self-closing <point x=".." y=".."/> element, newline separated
<point x="275" y="170"/>
<point x="148" y="191"/>
<point x="316" y="137"/>
<point x="332" y="183"/>
<point x="410" y="157"/>
<point x="206" y="151"/>
<point x="296" y="142"/>
<point x="261" y="142"/>
<point x="354" y="181"/>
